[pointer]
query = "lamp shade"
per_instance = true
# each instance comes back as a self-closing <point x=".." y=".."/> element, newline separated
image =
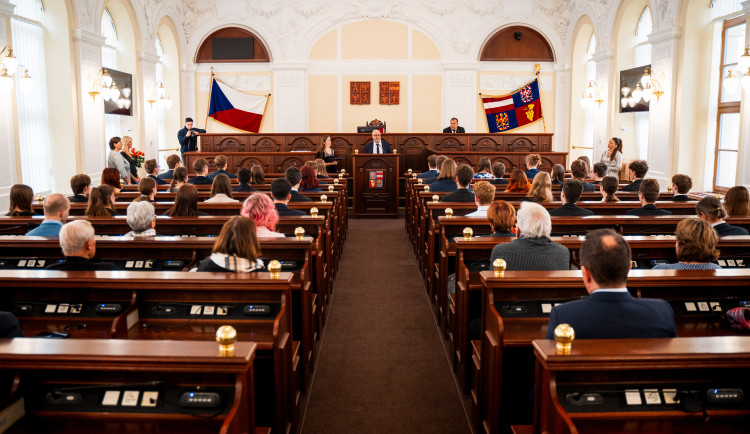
<point x="6" y="83"/>
<point x="730" y="83"/>
<point x="24" y="83"/>
<point x="745" y="81"/>
<point x="744" y="61"/>
<point x="11" y="63"/>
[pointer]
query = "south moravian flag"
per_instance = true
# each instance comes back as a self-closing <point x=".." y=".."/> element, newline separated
<point x="236" y="109"/>
<point x="514" y="110"/>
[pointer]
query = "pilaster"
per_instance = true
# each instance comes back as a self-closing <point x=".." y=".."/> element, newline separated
<point x="743" y="159"/>
<point x="146" y="136"/>
<point x="290" y="98"/>
<point x="606" y="78"/>
<point x="460" y="93"/>
<point x="8" y="170"/>
<point x="562" y="108"/>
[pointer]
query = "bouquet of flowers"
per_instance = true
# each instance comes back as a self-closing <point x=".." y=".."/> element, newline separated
<point x="138" y="156"/>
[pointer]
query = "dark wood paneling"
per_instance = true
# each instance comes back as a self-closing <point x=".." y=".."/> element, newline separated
<point x="205" y="55"/>
<point x="504" y="46"/>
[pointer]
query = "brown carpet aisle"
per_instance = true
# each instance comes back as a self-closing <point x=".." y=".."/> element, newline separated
<point x="382" y="367"/>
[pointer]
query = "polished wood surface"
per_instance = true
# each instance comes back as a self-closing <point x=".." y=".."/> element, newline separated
<point x="369" y="199"/>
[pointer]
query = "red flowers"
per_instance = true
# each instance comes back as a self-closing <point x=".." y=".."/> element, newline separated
<point x="138" y="156"/>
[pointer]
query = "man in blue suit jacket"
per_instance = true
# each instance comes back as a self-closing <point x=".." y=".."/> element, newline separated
<point x="56" y="208"/>
<point x="173" y="162"/>
<point x="610" y="311"/>
<point x="372" y="147"/>
<point x="432" y="164"/>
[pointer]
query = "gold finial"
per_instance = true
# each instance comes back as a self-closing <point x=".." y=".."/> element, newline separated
<point x="669" y="189"/>
<point x="718" y="196"/>
<point x="420" y="181"/>
<point x="299" y="233"/>
<point x="413" y="175"/>
<point x="343" y="170"/>
<point x="499" y="266"/>
<point x="537" y="67"/>
<point x="468" y="233"/>
<point x="341" y="176"/>
<point x="323" y="198"/>
<point x="356" y="151"/>
<point x="449" y="212"/>
<point x="40" y="199"/>
<point x="426" y="188"/>
<point x="330" y="187"/>
<point x="274" y="267"/>
<point x="314" y="212"/>
<point x="226" y="336"/>
<point x="564" y="336"/>
<point x="395" y="151"/>
<point x="435" y="198"/>
<point x="335" y="182"/>
<point x="408" y="171"/>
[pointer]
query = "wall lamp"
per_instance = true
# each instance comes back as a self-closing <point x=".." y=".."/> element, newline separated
<point x="8" y="67"/>
<point x="160" y="96"/>
<point x="592" y="94"/>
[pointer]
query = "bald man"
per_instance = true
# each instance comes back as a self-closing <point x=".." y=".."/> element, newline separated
<point x="56" y="208"/>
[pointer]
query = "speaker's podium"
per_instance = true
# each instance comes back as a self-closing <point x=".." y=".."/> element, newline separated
<point x="375" y="185"/>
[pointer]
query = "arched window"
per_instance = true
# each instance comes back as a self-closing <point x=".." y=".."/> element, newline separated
<point x="232" y="44"/>
<point x="27" y="34"/>
<point x="590" y="114"/>
<point x="642" y="57"/>
<point x="112" y="124"/>
<point x="517" y="43"/>
<point x="108" y="28"/>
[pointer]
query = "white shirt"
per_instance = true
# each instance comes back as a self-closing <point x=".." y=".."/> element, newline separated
<point x="220" y="198"/>
<point x="377" y="148"/>
<point x="480" y="212"/>
<point x="612" y="290"/>
<point x="264" y="232"/>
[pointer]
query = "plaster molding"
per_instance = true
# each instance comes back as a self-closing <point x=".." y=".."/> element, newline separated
<point x="603" y="56"/>
<point x="88" y="38"/>
<point x="6" y="9"/>
<point x="668" y="35"/>
<point x="745" y="7"/>
<point x="149" y="57"/>
<point x="251" y="83"/>
<point x="512" y="82"/>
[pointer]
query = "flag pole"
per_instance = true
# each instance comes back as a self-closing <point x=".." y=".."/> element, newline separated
<point x="210" y="89"/>
<point x="538" y="69"/>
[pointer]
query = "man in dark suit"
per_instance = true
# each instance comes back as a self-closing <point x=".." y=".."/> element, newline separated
<point x="570" y="193"/>
<point x="579" y="170"/>
<point x="79" y="246"/>
<point x="532" y="164"/>
<point x="454" y="128"/>
<point x="281" y="190"/>
<point x="600" y="171"/>
<point x="80" y="184"/>
<point x="173" y="162"/>
<point x="188" y="138"/>
<point x="712" y="210"/>
<point x="201" y="169"/>
<point x="243" y="176"/>
<point x="152" y="168"/>
<point x="638" y="170"/>
<point x="648" y="193"/>
<point x="681" y="185"/>
<point x="438" y="164"/>
<point x="377" y="145"/>
<point x="432" y="164"/>
<point x="498" y="170"/>
<point x="9" y="327"/>
<point x="294" y="176"/>
<point x="610" y="312"/>
<point x="221" y="164"/>
<point x="464" y="173"/>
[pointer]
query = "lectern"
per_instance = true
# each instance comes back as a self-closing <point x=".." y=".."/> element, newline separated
<point x="375" y="185"/>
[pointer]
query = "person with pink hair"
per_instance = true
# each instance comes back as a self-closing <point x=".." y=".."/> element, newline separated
<point x="259" y="207"/>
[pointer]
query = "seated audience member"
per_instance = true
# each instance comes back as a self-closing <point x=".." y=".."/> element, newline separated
<point x="502" y="217"/>
<point x="532" y="164"/>
<point x="281" y="191"/>
<point x="439" y="165"/>
<point x="221" y="190"/>
<point x="147" y="188"/>
<point x="244" y="176"/>
<point x="80" y="184"/>
<point x="579" y="170"/>
<point x="533" y="250"/>
<point x="454" y="127"/>
<point x="498" y="171"/>
<point x="173" y="162"/>
<point x="185" y="203"/>
<point x="518" y="182"/>
<point x="21" y="197"/>
<point x="464" y="173"/>
<point x="541" y="189"/>
<point x="320" y="169"/>
<point x="152" y="168"/>
<point x="111" y="177"/>
<point x="586" y="160"/>
<point x="432" y="165"/>
<point x="737" y="202"/>
<point x="236" y="249"/>
<point x="201" y="170"/>
<point x="56" y="208"/>
<point x="484" y="169"/>
<point x="257" y="175"/>
<point x="696" y="246"/>
<point x="101" y="202"/>
<point x="309" y="181"/>
<point x="294" y="176"/>
<point x="446" y="180"/>
<point x="681" y="185"/>
<point x="610" y="312"/>
<point x="484" y="194"/>
<point x="638" y="170"/>
<point x="609" y="187"/>
<point x="9" y="327"/>
<point x="571" y="191"/>
<point x="79" y="247"/>
<point x="600" y="171"/>
<point x="711" y="210"/>
<point x="558" y="174"/>
<point x="648" y="193"/>
<point x="259" y="207"/>
<point x="180" y="178"/>
<point x="141" y="219"/>
<point x="221" y="164"/>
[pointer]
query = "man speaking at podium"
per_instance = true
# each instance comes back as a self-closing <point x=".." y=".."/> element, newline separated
<point x="376" y="145"/>
<point x="188" y="139"/>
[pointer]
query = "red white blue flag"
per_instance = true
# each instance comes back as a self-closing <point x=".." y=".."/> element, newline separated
<point x="236" y="109"/>
<point x="519" y="108"/>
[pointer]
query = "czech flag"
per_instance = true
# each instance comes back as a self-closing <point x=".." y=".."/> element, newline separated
<point x="508" y="112"/>
<point x="236" y="109"/>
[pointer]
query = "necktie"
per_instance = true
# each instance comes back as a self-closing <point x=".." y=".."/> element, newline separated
<point x="454" y="131"/>
<point x="379" y="149"/>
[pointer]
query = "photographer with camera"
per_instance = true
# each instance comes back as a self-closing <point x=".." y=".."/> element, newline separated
<point x="188" y="138"/>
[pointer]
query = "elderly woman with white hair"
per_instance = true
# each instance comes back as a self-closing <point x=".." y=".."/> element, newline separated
<point x="79" y="247"/>
<point x="533" y="249"/>
<point x="141" y="219"/>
